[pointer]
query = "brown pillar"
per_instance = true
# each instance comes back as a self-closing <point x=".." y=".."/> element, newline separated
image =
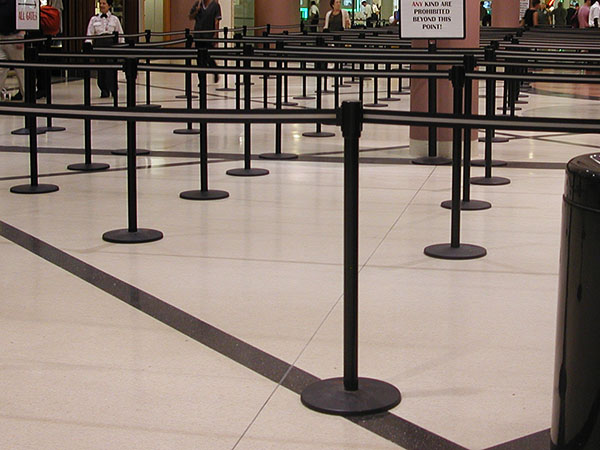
<point x="505" y="13"/>
<point x="418" y="87"/>
<point x="285" y="12"/>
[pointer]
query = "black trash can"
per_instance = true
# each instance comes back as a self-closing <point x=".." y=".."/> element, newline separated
<point x="576" y="400"/>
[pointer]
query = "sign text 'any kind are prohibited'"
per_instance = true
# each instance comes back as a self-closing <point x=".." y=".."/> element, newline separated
<point x="432" y="19"/>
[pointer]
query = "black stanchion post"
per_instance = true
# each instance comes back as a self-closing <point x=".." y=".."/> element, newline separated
<point x="375" y="103"/>
<point x="204" y="193"/>
<point x="456" y="250"/>
<point x="238" y="94"/>
<point x="432" y="158"/>
<point x="87" y="165"/>
<point x="351" y="395"/>
<point x="225" y="87"/>
<point x="319" y="66"/>
<point x="388" y="72"/>
<point x="189" y="129"/>
<point x="575" y="401"/>
<point x="115" y="74"/>
<point x="467" y="204"/>
<point x="31" y="124"/>
<point x="247" y="170"/>
<point x="48" y="83"/>
<point x="31" y="55"/>
<point x="286" y="101"/>
<point x="132" y="234"/>
<point x="189" y="41"/>
<point x="304" y="95"/>
<point x="148" y="37"/>
<point x="278" y="106"/>
<point x="490" y="103"/>
<point x="266" y="67"/>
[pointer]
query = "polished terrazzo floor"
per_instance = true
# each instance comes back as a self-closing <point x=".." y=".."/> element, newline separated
<point x="205" y="338"/>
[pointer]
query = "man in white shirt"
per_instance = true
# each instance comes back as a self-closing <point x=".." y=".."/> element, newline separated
<point x="594" y="14"/>
<point x="367" y="11"/>
<point x="105" y="23"/>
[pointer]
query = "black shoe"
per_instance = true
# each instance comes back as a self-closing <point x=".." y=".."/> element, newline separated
<point x="18" y="97"/>
<point x="104" y="94"/>
<point x="216" y="75"/>
<point x="40" y="94"/>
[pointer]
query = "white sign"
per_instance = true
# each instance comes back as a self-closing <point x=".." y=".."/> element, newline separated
<point x="28" y="14"/>
<point x="523" y="7"/>
<point x="432" y="19"/>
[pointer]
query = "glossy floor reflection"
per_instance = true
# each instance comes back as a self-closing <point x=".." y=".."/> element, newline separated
<point x="205" y="338"/>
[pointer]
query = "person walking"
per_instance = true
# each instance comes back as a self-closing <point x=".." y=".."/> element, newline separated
<point x="560" y="15"/>
<point x="105" y="23"/>
<point x="313" y="17"/>
<point x="583" y="15"/>
<point x="206" y="15"/>
<point x="336" y="19"/>
<point x="8" y="32"/>
<point x="531" y="17"/>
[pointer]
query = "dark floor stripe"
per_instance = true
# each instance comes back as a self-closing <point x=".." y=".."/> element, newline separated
<point x="222" y="157"/>
<point x="535" y="441"/>
<point x="388" y="426"/>
<point x="112" y="169"/>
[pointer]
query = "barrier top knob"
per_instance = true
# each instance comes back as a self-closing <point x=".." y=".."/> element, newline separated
<point x="582" y="185"/>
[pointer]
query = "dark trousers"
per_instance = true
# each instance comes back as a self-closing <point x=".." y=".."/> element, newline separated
<point x="209" y="61"/>
<point x="107" y="78"/>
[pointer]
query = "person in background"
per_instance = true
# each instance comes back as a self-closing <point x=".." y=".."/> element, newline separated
<point x="572" y="15"/>
<point x="367" y="12"/>
<point x="583" y="15"/>
<point x="105" y="23"/>
<point x="207" y="16"/>
<point x="336" y="19"/>
<point x="594" y="14"/>
<point x="559" y="15"/>
<point x="531" y="17"/>
<point x="313" y="16"/>
<point x="8" y="31"/>
<point x="543" y="15"/>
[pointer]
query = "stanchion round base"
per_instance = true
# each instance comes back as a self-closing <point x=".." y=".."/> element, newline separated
<point x="523" y="96"/>
<point x="463" y="251"/>
<point x="303" y="97"/>
<point x="400" y="93"/>
<point x="490" y="181"/>
<point x="390" y="99"/>
<point x="289" y="104"/>
<point x="186" y="131"/>
<point x="210" y="194"/>
<point x="148" y="105"/>
<point x="330" y="397"/>
<point x="31" y="189"/>
<point x="247" y="172"/>
<point x="124" y="152"/>
<point x="500" y="108"/>
<point x="227" y="89"/>
<point x="495" y="163"/>
<point x="495" y="140"/>
<point x="432" y="161"/>
<point x="88" y="167"/>
<point x="469" y="205"/>
<point x="374" y="105"/>
<point x="25" y="131"/>
<point x="278" y="156"/>
<point x="318" y="134"/>
<point x="185" y="96"/>
<point x="521" y="102"/>
<point x="52" y="129"/>
<point x="124" y="236"/>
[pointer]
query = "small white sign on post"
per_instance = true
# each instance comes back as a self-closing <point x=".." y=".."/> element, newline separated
<point x="432" y="19"/>
<point x="28" y="14"/>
